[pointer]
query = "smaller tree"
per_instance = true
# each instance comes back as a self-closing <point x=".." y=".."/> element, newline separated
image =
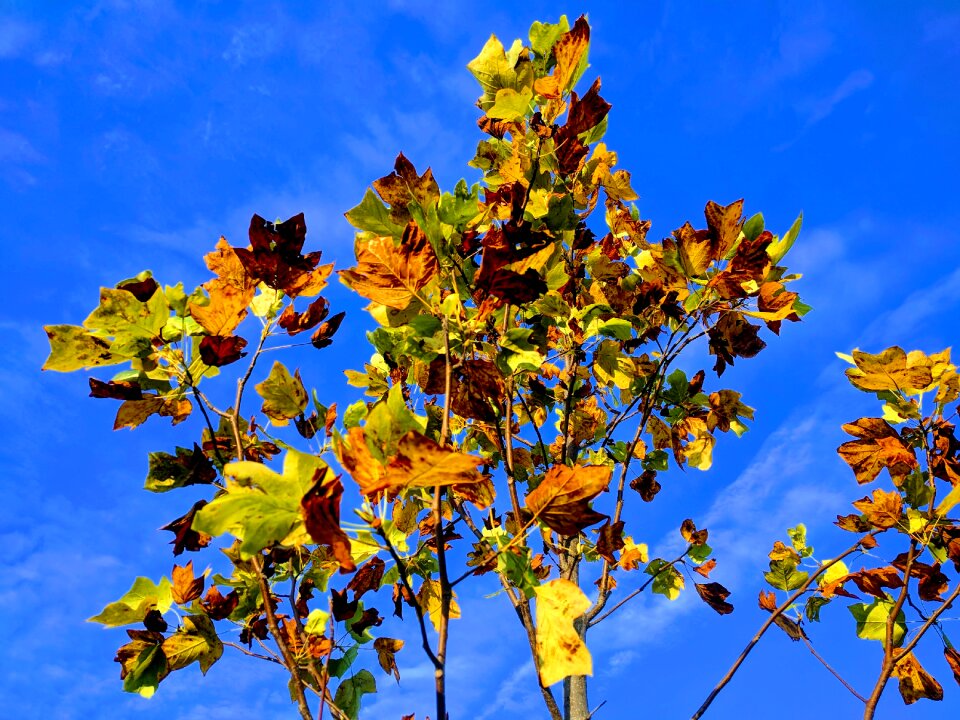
<point x="922" y="460"/>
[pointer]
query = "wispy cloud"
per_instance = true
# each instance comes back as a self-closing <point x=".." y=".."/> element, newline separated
<point x="854" y="82"/>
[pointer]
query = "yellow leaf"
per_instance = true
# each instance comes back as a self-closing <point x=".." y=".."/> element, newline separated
<point x="893" y="369"/>
<point x="560" y="649"/>
<point x="429" y="600"/>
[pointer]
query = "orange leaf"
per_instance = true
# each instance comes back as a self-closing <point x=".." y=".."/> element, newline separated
<point x="915" y="682"/>
<point x="392" y="275"/>
<point x="562" y="500"/>
<point x="883" y="510"/>
<point x="185" y="586"/>
<point x="879" y="446"/>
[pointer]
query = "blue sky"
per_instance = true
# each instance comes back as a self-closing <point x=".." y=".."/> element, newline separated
<point x="134" y="133"/>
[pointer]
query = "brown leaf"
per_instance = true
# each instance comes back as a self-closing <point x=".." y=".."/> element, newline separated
<point x="403" y="185"/>
<point x="185" y="586"/>
<point x="393" y="275"/>
<point x="610" y="540"/>
<point x="748" y="268"/>
<point x="142" y="290"/>
<point x="368" y="618"/>
<point x="646" y="485"/>
<point x="387" y="648"/>
<point x="562" y="500"/>
<point x="295" y="323"/>
<point x="567" y="51"/>
<point x="883" y="510"/>
<point x="323" y="335"/>
<point x="932" y="583"/>
<point x="124" y="390"/>
<point x="732" y="337"/>
<point x="953" y="660"/>
<point x="218" y="606"/>
<point x="342" y="610"/>
<point x="690" y="533"/>
<point x="217" y="350"/>
<point x="230" y="292"/>
<point x="275" y="257"/>
<point x="872" y="582"/>
<point x="133" y="413"/>
<point x="915" y="682"/>
<point x="185" y="537"/>
<point x="715" y="595"/>
<point x="853" y="523"/>
<point x="320" y="507"/>
<point x="367" y="578"/>
<point x="724" y="224"/>
<point x="879" y="446"/>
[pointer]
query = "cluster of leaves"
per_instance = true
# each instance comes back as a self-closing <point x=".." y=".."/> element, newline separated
<point x="523" y="387"/>
<point x="914" y="441"/>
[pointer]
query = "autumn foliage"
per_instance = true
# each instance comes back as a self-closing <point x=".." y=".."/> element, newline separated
<point x="523" y="390"/>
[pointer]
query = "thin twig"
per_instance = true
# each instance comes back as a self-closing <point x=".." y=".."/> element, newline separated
<point x="818" y="656"/>
<point x="770" y="621"/>
<point x="593" y="621"/>
<point x="244" y="650"/>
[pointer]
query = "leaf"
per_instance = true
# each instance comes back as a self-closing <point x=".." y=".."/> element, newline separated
<point x="387" y="648"/>
<point x="952" y="657"/>
<point x="781" y="247"/>
<point x="419" y="462"/>
<point x="186" y="587"/>
<point x="562" y="500"/>
<point x="321" y="517"/>
<point x="784" y="575"/>
<point x="217" y="351"/>
<point x="373" y="216"/>
<point x="428" y="598"/>
<point x="187" y="467"/>
<point x="715" y="595"/>
<point x="879" y="446"/>
<point x="133" y="413"/>
<point x="884" y="510"/>
<point x="133" y="607"/>
<point x="873" y="581"/>
<point x="323" y="335"/>
<point x="872" y="621"/>
<point x="368" y="578"/>
<point x="560" y="649"/>
<point x="667" y="580"/>
<point x="351" y="690"/>
<point x="284" y="396"/>
<point x="915" y="682"/>
<point x="570" y="53"/>
<point x="74" y="348"/>
<point x="891" y="370"/>
<point x="142" y="663"/>
<point x="195" y="641"/>
<point x="260" y="507"/>
<point x="391" y="275"/>
<point x="275" y="257"/>
<point x="185" y="537"/>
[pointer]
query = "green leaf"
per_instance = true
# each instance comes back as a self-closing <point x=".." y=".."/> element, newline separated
<point x="813" y="605"/>
<point x="339" y="666"/>
<point x="872" y="621"/>
<point x="753" y="227"/>
<point x="195" y="641"/>
<point x="495" y="69"/>
<point x="132" y="608"/>
<point x="669" y="582"/>
<point x="120" y="314"/>
<point x="352" y="690"/>
<point x="798" y="538"/>
<point x="168" y="472"/>
<point x="388" y="421"/>
<point x="317" y="622"/>
<point x="519" y="353"/>
<point x="260" y="507"/>
<point x="543" y="36"/>
<point x="373" y="216"/>
<point x="511" y="105"/>
<point x="284" y="396"/>
<point x="784" y="575"/>
<point x="73" y="348"/>
<point x="776" y="250"/>
<point x="459" y="208"/>
<point x="699" y="553"/>
<point x="144" y="676"/>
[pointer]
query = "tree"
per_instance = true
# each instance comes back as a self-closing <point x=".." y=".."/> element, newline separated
<point x="527" y="384"/>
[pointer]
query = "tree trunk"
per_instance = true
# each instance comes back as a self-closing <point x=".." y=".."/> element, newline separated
<point x="575" y="687"/>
